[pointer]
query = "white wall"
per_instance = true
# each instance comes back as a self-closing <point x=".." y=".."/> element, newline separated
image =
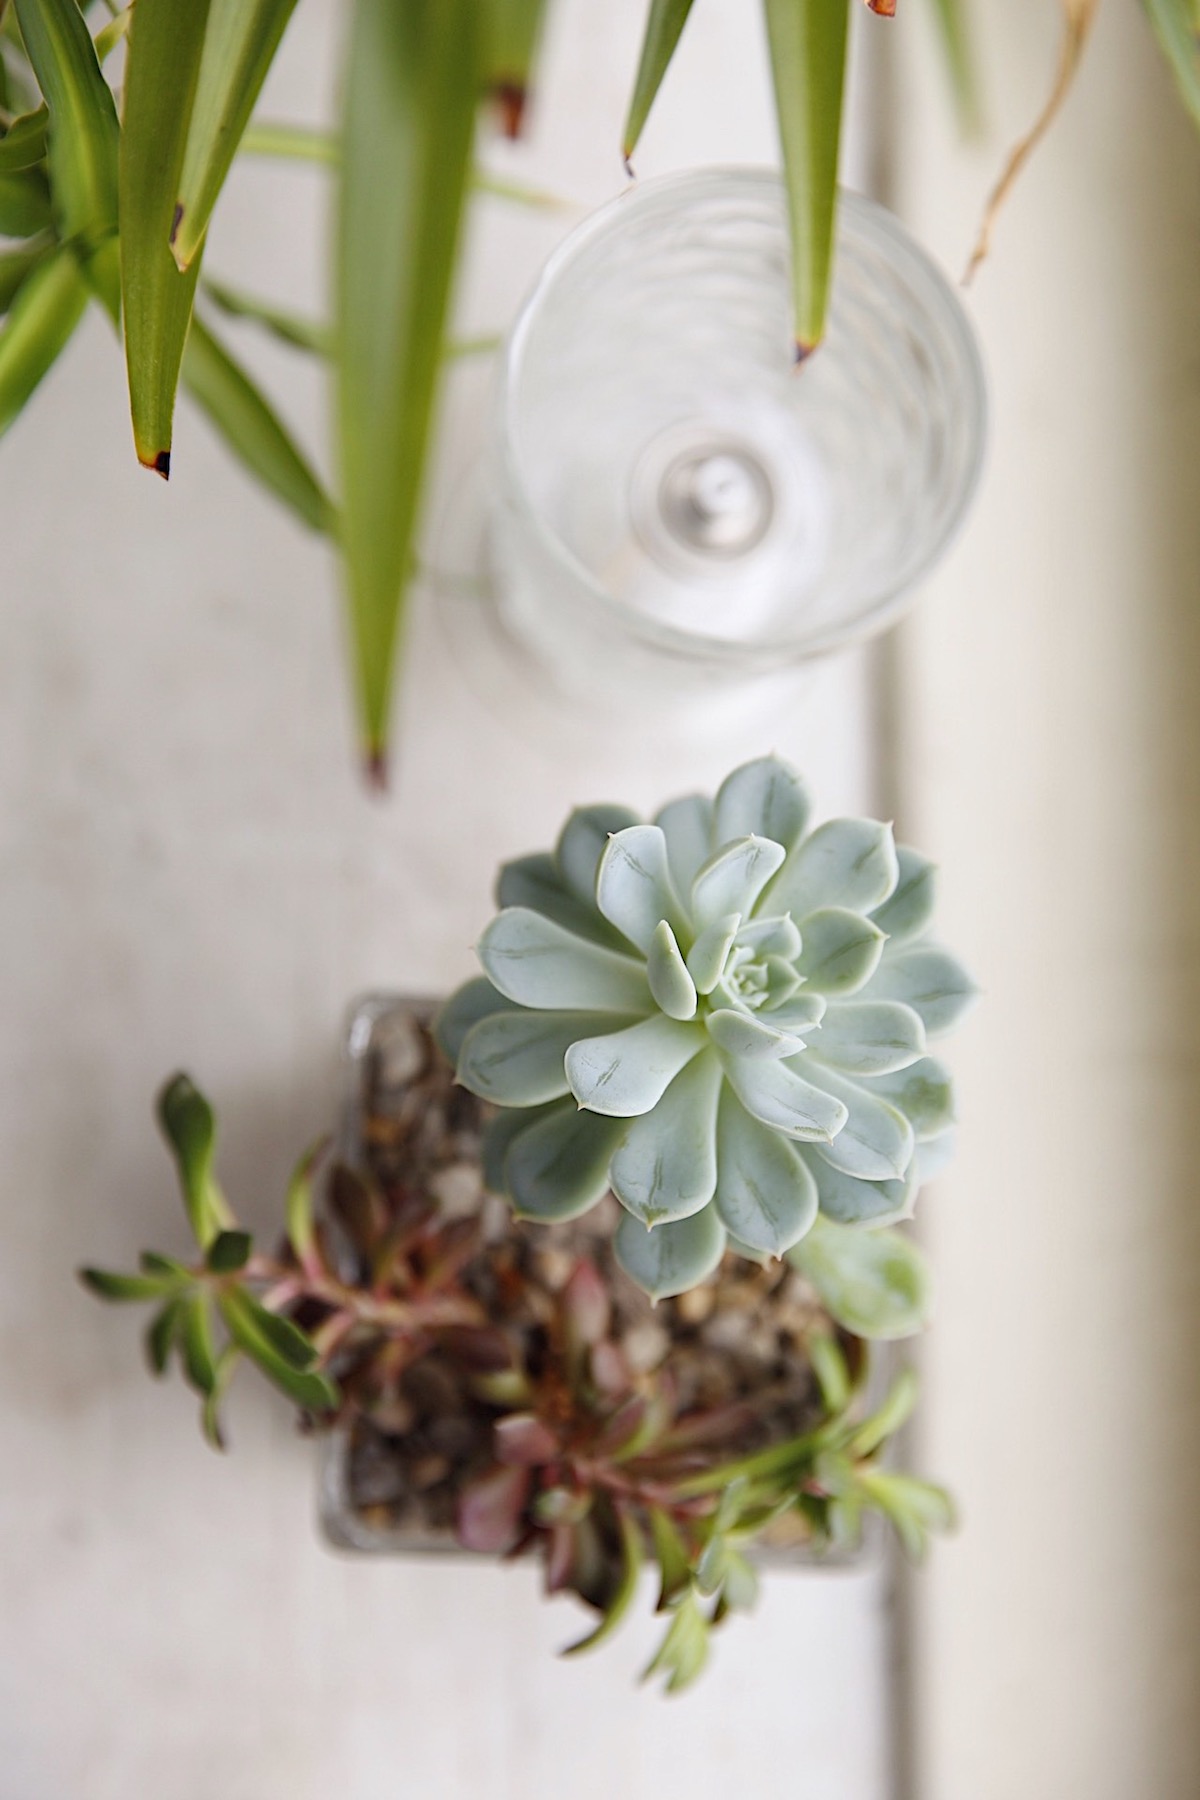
<point x="1051" y="734"/>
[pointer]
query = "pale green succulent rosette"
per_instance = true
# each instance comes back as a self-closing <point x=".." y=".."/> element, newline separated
<point x="722" y="1016"/>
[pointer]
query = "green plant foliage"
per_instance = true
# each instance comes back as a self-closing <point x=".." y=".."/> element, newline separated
<point x="412" y="86"/>
<point x="251" y="428"/>
<point x="83" y="136"/>
<point x="162" y="66"/>
<point x="664" y="27"/>
<point x="594" y="1468"/>
<point x="724" y="1016"/>
<point x="951" y="17"/>
<point x="807" y="40"/>
<point x="875" y="1283"/>
<point x="240" y="42"/>
<point x="46" y="304"/>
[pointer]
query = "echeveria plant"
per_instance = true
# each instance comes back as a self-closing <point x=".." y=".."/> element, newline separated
<point x="723" y="1016"/>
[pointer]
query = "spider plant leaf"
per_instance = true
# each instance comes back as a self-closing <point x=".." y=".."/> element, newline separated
<point x="286" y="327"/>
<point x="413" y="82"/>
<point x="83" y="135"/>
<point x="161" y="71"/>
<point x="292" y="143"/>
<point x="17" y="265"/>
<point x="240" y="42"/>
<point x="1177" y="26"/>
<point x="807" y="41"/>
<point x="664" y="26"/>
<point x="44" y="312"/>
<point x="162" y="1334"/>
<point x="250" y="427"/>
<point x="951" y="19"/>
<point x="24" y="143"/>
<point x="24" y="203"/>
<point x="513" y="30"/>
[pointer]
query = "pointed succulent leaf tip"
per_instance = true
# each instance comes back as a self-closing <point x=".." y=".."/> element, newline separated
<point x="848" y="1201"/>
<point x="868" y="1037"/>
<point x="582" y="843"/>
<point x="750" y="1034"/>
<point x="517" y="1058"/>
<point x="625" y="1073"/>
<point x="558" y="1168"/>
<point x="666" y="1166"/>
<point x="875" y="1283"/>
<point x="875" y="1141"/>
<point x="776" y="1096"/>
<point x="908" y="911"/>
<point x="670" y="983"/>
<point x="539" y="964"/>
<point x="687" y="825"/>
<point x="932" y="982"/>
<point x="849" y="863"/>
<point x="673" y="1257"/>
<point x="733" y="879"/>
<point x="708" y="955"/>
<point x="841" y="950"/>
<point x="634" y="890"/>
<point x="766" y="1196"/>
<point x="767" y="799"/>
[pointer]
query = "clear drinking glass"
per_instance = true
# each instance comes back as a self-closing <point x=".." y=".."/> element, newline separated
<point x="671" y="504"/>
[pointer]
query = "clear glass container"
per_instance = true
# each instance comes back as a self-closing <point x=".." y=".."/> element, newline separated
<point x="671" y="503"/>
<point x="378" y="1034"/>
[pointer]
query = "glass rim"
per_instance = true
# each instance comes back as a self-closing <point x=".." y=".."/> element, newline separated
<point x="868" y="222"/>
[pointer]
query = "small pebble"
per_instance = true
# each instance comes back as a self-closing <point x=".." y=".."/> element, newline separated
<point x="458" y="1189"/>
<point x="696" y="1305"/>
<point x="646" y="1346"/>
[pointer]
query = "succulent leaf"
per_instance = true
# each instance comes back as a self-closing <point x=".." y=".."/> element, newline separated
<point x="908" y="910"/>
<point x="847" y="1200"/>
<point x="868" y="1037"/>
<point x="708" y="955"/>
<point x="776" y="1096"/>
<point x="766" y="1196"/>
<point x="687" y="825"/>
<point x="624" y="1073"/>
<point x="765" y="798"/>
<point x="845" y="862"/>
<point x="666" y="1166"/>
<point x="671" y="985"/>
<point x="535" y="962"/>
<point x="875" y="1141"/>
<point x="840" y="950"/>
<point x="733" y="878"/>
<point x="673" y="1257"/>
<point x="558" y="1167"/>
<point x="924" y="1093"/>
<point x="875" y="1283"/>
<point x="634" y="890"/>
<point x="583" y="841"/>
<point x="516" y="1058"/>
<point x="473" y="1001"/>
<point x="931" y="982"/>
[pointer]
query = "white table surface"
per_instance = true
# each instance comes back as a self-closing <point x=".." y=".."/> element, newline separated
<point x="191" y="875"/>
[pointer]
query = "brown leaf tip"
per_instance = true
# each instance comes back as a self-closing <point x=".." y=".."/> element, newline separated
<point x="176" y="222"/>
<point x="627" y="159"/>
<point x="510" y="97"/>
<point x="376" y="770"/>
<point x="885" y="8"/>
<point x="802" y="351"/>
<point x="162" y="464"/>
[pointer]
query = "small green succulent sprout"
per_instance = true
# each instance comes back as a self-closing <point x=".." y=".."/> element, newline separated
<point x="723" y="1016"/>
